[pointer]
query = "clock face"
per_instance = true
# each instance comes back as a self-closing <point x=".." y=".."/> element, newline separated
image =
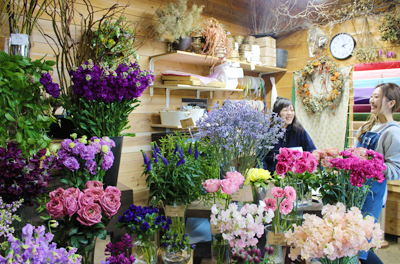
<point x="342" y="45"/>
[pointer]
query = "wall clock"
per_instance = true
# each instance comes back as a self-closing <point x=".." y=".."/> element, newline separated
<point x="342" y="45"/>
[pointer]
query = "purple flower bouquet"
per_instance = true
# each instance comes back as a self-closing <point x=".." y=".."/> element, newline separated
<point x="81" y="160"/>
<point x="106" y="97"/>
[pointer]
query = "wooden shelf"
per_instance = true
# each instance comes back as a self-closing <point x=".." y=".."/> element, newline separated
<point x="173" y="127"/>
<point x="199" y="59"/>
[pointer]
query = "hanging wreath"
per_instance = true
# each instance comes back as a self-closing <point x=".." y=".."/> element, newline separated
<point x="328" y="99"/>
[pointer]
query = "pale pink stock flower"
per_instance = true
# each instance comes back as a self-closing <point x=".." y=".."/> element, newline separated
<point x="286" y="206"/>
<point x="290" y="193"/>
<point x="278" y="192"/>
<point x="212" y="185"/>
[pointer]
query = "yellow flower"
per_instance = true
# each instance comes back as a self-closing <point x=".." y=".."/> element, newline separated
<point x="254" y="175"/>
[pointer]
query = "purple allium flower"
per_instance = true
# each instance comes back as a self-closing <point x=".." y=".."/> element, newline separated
<point x="71" y="163"/>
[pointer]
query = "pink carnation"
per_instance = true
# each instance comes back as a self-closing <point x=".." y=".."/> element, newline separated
<point x="229" y="186"/>
<point x="270" y="204"/>
<point x="278" y="192"/>
<point x="286" y="206"/>
<point x="290" y="193"/>
<point x="211" y="185"/>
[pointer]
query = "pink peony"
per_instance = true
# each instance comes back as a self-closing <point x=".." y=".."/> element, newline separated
<point x="110" y="203"/>
<point x="290" y="193"/>
<point x="96" y="193"/>
<point x="57" y="193"/>
<point x="229" y="186"/>
<point x="211" y="185"/>
<point x="71" y="205"/>
<point x="278" y="192"/>
<point x="55" y="207"/>
<point x="284" y="155"/>
<point x="89" y="215"/>
<point x="94" y="184"/>
<point x="286" y="206"/>
<point x="114" y="190"/>
<point x="86" y="199"/>
<point x="300" y="167"/>
<point x="282" y="168"/>
<point x="270" y="204"/>
<point x="237" y="176"/>
<point x="326" y="162"/>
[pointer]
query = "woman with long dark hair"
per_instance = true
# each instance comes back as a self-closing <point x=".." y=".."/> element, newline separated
<point x="295" y="135"/>
<point x="382" y="134"/>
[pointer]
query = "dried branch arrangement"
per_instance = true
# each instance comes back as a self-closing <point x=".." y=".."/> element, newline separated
<point x="23" y="15"/>
<point x="217" y="42"/>
<point x="3" y="12"/>
<point x="367" y="49"/>
<point x="274" y="17"/>
<point x="76" y="42"/>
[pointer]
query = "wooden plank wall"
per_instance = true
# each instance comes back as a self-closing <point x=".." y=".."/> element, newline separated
<point x="228" y="12"/>
<point x="296" y="44"/>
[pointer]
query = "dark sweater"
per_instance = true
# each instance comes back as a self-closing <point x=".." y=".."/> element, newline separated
<point x="291" y="139"/>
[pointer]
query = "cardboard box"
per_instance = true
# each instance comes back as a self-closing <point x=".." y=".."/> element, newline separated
<point x="268" y="61"/>
<point x="267" y="52"/>
<point x="266" y="42"/>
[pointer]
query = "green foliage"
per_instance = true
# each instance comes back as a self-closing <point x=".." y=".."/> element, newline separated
<point x="24" y="108"/>
<point x="113" y="42"/>
<point x="390" y="28"/>
<point x="176" y="21"/>
<point x="97" y="118"/>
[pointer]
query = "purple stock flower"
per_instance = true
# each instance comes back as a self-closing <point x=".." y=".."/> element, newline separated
<point x="51" y="88"/>
<point x="88" y="152"/>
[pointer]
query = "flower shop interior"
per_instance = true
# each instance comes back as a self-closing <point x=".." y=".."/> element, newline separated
<point x="144" y="131"/>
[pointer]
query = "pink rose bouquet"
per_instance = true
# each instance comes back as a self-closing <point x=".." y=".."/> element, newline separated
<point x="339" y="234"/>
<point x="283" y="201"/>
<point x="347" y="175"/>
<point x="83" y="215"/>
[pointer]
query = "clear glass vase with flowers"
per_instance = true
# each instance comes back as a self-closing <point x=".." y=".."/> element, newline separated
<point x="176" y="248"/>
<point x="143" y="223"/>
<point x="346" y="176"/>
<point x="83" y="215"/>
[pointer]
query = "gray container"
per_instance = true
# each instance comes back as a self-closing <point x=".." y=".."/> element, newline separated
<point x="281" y="58"/>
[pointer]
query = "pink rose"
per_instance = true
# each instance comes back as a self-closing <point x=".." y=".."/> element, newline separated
<point x="237" y="176"/>
<point x="89" y="215"/>
<point x="56" y="207"/>
<point x="311" y="165"/>
<point x="316" y="154"/>
<point x="73" y="192"/>
<point x="282" y="168"/>
<point x="326" y="162"/>
<point x="229" y="186"/>
<point x="85" y="199"/>
<point x="211" y="185"/>
<point x="284" y="155"/>
<point x="110" y="203"/>
<point x="94" y="184"/>
<point x="114" y="190"/>
<point x="296" y="154"/>
<point x="332" y="152"/>
<point x="95" y="192"/>
<point x="300" y="167"/>
<point x="71" y="205"/>
<point x="57" y="193"/>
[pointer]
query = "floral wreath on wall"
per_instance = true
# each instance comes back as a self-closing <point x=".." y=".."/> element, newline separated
<point x="315" y="102"/>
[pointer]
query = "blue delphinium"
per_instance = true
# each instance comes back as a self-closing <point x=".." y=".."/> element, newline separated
<point x="240" y="133"/>
<point x="37" y="247"/>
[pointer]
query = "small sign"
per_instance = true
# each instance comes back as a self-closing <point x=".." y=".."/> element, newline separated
<point x="243" y="195"/>
<point x="178" y="211"/>
<point x="252" y="67"/>
<point x="19" y="39"/>
<point x="215" y="228"/>
<point x="187" y="122"/>
<point x="276" y="238"/>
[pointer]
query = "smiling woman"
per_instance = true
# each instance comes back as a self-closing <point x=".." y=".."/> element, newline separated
<point x="295" y="135"/>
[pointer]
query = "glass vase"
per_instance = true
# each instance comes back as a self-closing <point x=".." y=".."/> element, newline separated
<point x="296" y="215"/>
<point x="177" y="214"/>
<point x="221" y="251"/>
<point x="18" y="44"/>
<point x="259" y="193"/>
<point x="277" y="256"/>
<point x="88" y="256"/>
<point x="145" y="251"/>
<point x="343" y="260"/>
<point x="26" y="213"/>
<point x="307" y="199"/>
<point x="176" y="257"/>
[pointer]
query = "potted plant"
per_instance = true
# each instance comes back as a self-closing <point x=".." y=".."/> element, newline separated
<point x="105" y="99"/>
<point x="24" y="103"/>
<point x="176" y="23"/>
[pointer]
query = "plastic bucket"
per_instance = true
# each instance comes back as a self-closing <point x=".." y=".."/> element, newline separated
<point x="281" y="58"/>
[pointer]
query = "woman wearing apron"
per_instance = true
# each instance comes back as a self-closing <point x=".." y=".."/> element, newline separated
<point x="295" y="135"/>
<point x="382" y="134"/>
